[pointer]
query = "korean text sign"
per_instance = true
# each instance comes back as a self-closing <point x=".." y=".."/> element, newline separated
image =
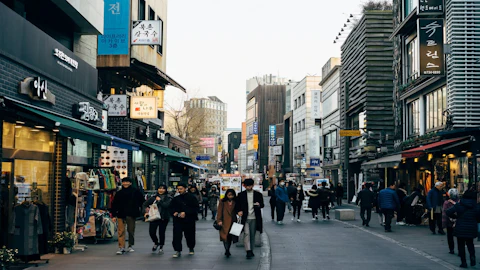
<point x="432" y="59"/>
<point x="146" y="33"/>
<point x="114" y="40"/>
<point x="117" y="105"/>
<point x="272" y="134"/>
<point x="430" y="7"/>
<point x="143" y="107"/>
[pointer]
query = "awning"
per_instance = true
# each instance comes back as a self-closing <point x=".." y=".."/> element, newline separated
<point x="193" y="166"/>
<point x="170" y="155"/>
<point x="383" y="162"/>
<point x="125" y="144"/>
<point x="70" y="128"/>
<point x="155" y="75"/>
<point x="433" y="147"/>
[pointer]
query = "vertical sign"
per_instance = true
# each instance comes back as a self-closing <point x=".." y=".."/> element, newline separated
<point x="255" y="127"/>
<point x="316" y="112"/>
<point x="272" y="134"/>
<point x="430" y="7"/>
<point x="432" y="59"/>
<point x="115" y="38"/>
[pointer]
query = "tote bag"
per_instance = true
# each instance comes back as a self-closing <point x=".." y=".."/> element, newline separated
<point x="236" y="228"/>
<point x="93" y="182"/>
<point x="153" y="213"/>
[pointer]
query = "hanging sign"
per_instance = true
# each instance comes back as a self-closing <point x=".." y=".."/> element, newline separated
<point x="255" y="127"/>
<point x="272" y="134"/>
<point x="146" y="33"/>
<point x="432" y="59"/>
<point x="142" y="107"/>
<point x="117" y="105"/>
<point x="430" y="7"/>
<point x="116" y="22"/>
<point x="316" y="98"/>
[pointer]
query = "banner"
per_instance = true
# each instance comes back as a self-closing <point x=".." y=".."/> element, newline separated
<point x="116" y="24"/>
<point x="430" y="39"/>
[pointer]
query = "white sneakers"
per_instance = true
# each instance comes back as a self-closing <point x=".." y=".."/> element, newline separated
<point x="130" y="249"/>
<point x="298" y="220"/>
<point x="120" y="251"/>
<point x="401" y="223"/>
<point x="293" y="218"/>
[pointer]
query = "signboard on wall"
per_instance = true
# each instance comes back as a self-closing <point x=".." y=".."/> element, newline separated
<point x="316" y="98"/>
<point x="207" y="142"/>
<point x="430" y="39"/>
<point x="146" y="33"/>
<point x="315" y="162"/>
<point x="117" y="105"/>
<point x="430" y="7"/>
<point x="116" y="23"/>
<point x="143" y="107"/>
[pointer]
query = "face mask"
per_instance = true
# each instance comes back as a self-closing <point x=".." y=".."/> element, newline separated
<point x="282" y="184"/>
<point x="299" y="188"/>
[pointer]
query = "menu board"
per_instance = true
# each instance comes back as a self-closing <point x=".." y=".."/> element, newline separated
<point x="115" y="157"/>
<point x="230" y="182"/>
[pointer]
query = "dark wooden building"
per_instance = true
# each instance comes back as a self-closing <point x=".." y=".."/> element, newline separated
<point x="367" y="95"/>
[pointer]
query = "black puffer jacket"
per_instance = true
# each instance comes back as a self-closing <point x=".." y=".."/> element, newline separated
<point x="163" y="205"/>
<point x="467" y="214"/>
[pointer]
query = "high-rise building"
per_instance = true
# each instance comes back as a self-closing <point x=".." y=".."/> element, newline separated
<point x="214" y="112"/>
<point x="268" y="79"/>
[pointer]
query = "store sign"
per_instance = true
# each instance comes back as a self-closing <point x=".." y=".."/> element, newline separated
<point x="272" y="134"/>
<point x="86" y="112"/>
<point x="65" y="60"/>
<point x="430" y="7"/>
<point x="315" y="162"/>
<point x="117" y="105"/>
<point x="116" y="25"/>
<point x="316" y="99"/>
<point x="104" y="119"/>
<point x="202" y="158"/>
<point x="255" y="127"/>
<point x="255" y="142"/>
<point x="277" y="150"/>
<point x="432" y="59"/>
<point x="207" y="142"/>
<point x="349" y="133"/>
<point x="280" y="141"/>
<point x="146" y="33"/>
<point x="36" y="89"/>
<point x="328" y="154"/>
<point x="142" y="107"/>
<point x="278" y="166"/>
<point x="160" y="135"/>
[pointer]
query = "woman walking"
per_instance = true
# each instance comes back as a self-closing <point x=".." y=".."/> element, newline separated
<point x="226" y="216"/>
<point x="273" y="200"/>
<point x="449" y="222"/>
<point x="313" y="201"/>
<point x="204" y="207"/>
<point x="213" y="197"/>
<point x="194" y="191"/>
<point x="162" y="200"/>
<point x="467" y="214"/>
<point x="297" y="202"/>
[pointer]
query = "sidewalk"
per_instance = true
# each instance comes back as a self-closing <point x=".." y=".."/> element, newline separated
<point x="209" y="254"/>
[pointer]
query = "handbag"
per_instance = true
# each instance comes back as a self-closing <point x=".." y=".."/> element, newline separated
<point x="93" y="182"/>
<point x="90" y="229"/>
<point x="237" y="228"/>
<point x="153" y="213"/>
<point x="216" y="226"/>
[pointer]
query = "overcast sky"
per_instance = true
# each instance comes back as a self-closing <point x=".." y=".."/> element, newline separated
<point x="214" y="46"/>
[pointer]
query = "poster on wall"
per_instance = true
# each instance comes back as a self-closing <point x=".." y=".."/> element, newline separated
<point x="115" y="157"/>
<point x="230" y="181"/>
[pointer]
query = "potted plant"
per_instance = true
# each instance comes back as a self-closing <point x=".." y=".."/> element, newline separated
<point x="64" y="242"/>
<point x="7" y="257"/>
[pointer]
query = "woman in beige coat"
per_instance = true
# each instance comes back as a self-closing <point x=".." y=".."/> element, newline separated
<point x="226" y="216"/>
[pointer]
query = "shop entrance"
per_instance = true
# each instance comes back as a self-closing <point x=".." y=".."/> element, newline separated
<point x="6" y="201"/>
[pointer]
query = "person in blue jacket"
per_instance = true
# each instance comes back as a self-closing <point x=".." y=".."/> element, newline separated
<point x="434" y="206"/>
<point x="388" y="202"/>
<point x="467" y="215"/>
<point x="282" y="199"/>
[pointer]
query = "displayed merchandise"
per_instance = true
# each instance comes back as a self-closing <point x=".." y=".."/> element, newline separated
<point x="116" y="158"/>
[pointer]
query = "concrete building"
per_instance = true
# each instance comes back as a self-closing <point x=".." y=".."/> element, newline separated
<point x="306" y="135"/>
<point x="267" y="79"/>
<point x="214" y="112"/>
<point x="331" y="119"/>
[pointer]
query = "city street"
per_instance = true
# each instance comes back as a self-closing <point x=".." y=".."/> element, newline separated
<point x="307" y="245"/>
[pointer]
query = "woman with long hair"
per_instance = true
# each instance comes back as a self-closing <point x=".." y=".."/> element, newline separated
<point x="297" y="202"/>
<point x="226" y="216"/>
<point x="162" y="200"/>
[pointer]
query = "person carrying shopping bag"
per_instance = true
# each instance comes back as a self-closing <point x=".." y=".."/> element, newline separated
<point x="162" y="201"/>
<point x="226" y="216"/>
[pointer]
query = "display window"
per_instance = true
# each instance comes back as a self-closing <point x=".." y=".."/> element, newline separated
<point x="20" y="137"/>
<point x="31" y="180"/>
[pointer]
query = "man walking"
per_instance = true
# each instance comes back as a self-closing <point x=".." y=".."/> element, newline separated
<point x="185" y="214"/>
<point x="339" y="193"/>
<point x="126" y="208"/>
<point x="366" y="198"/>
<point x="434" y="206"/>
<point x="281" y="193"/>
<point x="388" y="202"/>
<point x="249" y="207"/>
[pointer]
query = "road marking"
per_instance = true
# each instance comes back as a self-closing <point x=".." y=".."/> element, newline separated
<point x="419" y="252"/>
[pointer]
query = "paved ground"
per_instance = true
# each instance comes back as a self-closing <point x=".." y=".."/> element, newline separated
<point x="306" y="245"/>
<point x="209" y="254"/>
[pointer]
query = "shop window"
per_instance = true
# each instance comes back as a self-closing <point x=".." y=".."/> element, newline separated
<point x="79" y="148"/>
<point x="25" y="138"/>
<point x="412" y="57"/>
<point x="414" y="117"/>
<point x="436" y="104"/>
<point x="31" y="175"/>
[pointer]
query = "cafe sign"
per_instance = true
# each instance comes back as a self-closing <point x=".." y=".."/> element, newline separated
<point x="143" y="107"/>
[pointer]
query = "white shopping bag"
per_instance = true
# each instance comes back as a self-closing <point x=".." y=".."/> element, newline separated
<point x="236" y="229"/>
<point x="354" y="199"/>
<point x="153" y="213"/>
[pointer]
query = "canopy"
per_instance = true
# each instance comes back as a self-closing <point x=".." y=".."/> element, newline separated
<point x="432" y="147"/>
<point x="193" y="166"/>
<point x="125" y="144"/>
<point x="170" y="154"/>
<point x="383" y="162"/>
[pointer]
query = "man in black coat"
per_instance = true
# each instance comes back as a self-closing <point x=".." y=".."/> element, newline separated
<point x="248" y="206"/>
<point x="185" y="214"/>
<point x="366" y="197"/>
<point x="126" y="207"/>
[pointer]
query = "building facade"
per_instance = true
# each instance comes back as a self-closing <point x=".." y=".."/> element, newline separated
<point x="267" y="79"/>
<point x="306" y="134"/>
<point x="331" y="119"/>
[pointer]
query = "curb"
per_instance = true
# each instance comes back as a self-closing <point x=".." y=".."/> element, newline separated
<point x="266" y="259"/>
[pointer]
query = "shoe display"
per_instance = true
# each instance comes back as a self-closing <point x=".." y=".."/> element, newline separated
<point x="120" y="251"/>
<point x="191" y="252"/>
<point x="177" y="254"/>
<point x="130" y="249"/>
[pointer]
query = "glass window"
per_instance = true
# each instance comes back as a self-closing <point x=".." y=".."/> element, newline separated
<point x="31" y="175"/>
<point x="25" y="138"/>
<point x="79" y="148"/>
<point x="330" y="139"/>
<point x="141" y="10"/>
<point x="303" y="99"/>
<point x="409" y="6"/>
<point x="330" y="104"/>
<point x="436" y="105"/>
<point x="414" y="117"/>
<point x="295" y="104"/>
<point x="303" y="124"/>
<point x="412" y="60"/>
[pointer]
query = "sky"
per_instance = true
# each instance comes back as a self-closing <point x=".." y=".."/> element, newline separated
<point x="214" y="46"/>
